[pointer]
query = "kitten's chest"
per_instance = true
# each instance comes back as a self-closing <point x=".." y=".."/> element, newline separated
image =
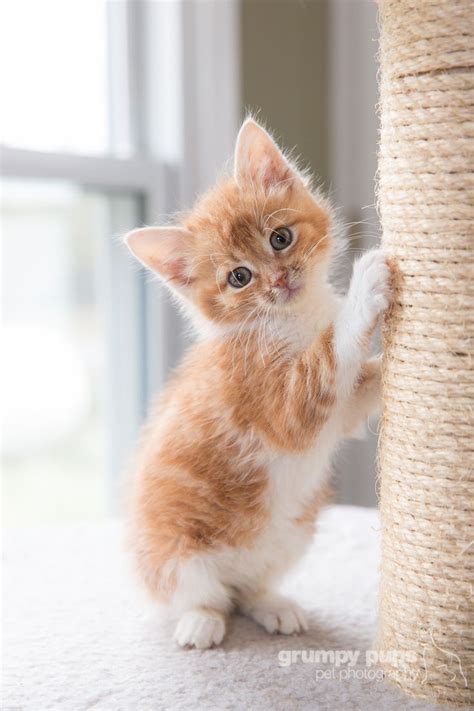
<point x="295" y="479"/>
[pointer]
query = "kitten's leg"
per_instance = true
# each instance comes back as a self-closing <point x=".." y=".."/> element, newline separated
<point x="203" y="603"/>
<point x="274" y="612"/>
<point x="321" y="379"/>
<point x="365" y="401"/>
<point x="368" y="297"/>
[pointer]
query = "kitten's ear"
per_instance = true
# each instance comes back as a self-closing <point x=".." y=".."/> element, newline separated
<point x="165" y="250"/>
<point x="258" y="159"/>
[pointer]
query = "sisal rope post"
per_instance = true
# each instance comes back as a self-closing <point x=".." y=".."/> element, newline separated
<point x="426" y="451"/>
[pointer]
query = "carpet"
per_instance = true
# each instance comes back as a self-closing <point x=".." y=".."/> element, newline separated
<point x="79" y="634"/>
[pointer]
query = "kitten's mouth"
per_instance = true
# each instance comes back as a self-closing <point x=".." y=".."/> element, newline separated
<point x="289" y="293"/>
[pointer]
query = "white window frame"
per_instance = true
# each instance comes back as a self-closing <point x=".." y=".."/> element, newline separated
<point x="210" y="114"/>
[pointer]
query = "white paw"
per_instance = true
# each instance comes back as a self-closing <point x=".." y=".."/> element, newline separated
<point x="277" y="614"/>
<point x="200" y="628"/>
<point x="370" y="290"/>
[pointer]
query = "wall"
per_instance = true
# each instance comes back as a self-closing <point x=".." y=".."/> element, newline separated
<point x="284" y="45"/>
<point x="353" y="137"/>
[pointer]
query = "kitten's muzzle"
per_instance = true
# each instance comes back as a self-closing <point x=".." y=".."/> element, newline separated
<point x="284" y="286"/>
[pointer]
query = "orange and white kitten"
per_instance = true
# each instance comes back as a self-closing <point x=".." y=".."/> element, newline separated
<point x="233" y="464"/>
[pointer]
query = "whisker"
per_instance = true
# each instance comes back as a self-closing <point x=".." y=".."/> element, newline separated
<point x="275" y="212"/>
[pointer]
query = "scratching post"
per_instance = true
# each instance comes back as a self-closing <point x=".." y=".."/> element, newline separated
<point x="426" y="446"/>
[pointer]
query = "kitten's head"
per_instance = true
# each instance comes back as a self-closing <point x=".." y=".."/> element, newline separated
<point x="257" y="244"/>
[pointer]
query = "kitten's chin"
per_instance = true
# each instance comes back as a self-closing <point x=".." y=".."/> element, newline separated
<point x="291" y="294"/>
<point x="291" y="298"/>
<point x="299" y="303"/>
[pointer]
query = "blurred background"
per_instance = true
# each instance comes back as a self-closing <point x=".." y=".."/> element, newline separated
<point x="116" y="113"/>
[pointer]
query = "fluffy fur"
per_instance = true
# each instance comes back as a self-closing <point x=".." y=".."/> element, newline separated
<point x="234" y="461"/>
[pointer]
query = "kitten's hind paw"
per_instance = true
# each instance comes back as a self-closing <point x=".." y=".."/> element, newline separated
<point x="276" y="614"/>
<point x="201" y="628"/>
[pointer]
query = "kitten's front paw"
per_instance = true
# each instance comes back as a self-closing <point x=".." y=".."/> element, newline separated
<point x="277" y="615"/>
<point x="200" y="628"/>
<point x="371" y="286"/>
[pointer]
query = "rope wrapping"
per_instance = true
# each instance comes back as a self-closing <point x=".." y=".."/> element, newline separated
<point x="426" y="448"/>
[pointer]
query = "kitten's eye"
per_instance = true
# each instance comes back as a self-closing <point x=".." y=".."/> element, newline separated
<point x="281" y="238"/>
<point x="239" y="277"/>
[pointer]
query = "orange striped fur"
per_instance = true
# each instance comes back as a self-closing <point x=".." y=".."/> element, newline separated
<point x="232" y="466"/>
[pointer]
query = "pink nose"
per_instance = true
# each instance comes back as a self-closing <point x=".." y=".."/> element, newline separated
<point x="281" y="280"/>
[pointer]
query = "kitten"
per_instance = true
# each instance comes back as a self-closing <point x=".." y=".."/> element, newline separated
<point x="233" y="464"/>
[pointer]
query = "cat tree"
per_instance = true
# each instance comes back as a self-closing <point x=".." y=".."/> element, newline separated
<point x="426" y="446"/>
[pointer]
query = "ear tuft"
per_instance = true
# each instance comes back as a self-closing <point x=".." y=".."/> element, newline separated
<point x="258" y="159"/>
<point x="164" y="250"/>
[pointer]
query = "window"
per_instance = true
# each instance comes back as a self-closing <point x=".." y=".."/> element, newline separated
<point x="64" y="88"/>
<point x="115" y="115"/>
<point x="74" y="304"/>
<point x="53" y="428"/>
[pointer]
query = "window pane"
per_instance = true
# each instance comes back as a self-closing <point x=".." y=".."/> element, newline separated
<point x="54" y="84"/>
<point x="56" y="438"/>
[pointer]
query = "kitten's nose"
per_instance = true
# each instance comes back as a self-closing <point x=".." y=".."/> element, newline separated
<point x="281" y="280"/>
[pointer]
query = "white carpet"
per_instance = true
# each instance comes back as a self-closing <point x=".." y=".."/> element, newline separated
<point x="79" y="635"/>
